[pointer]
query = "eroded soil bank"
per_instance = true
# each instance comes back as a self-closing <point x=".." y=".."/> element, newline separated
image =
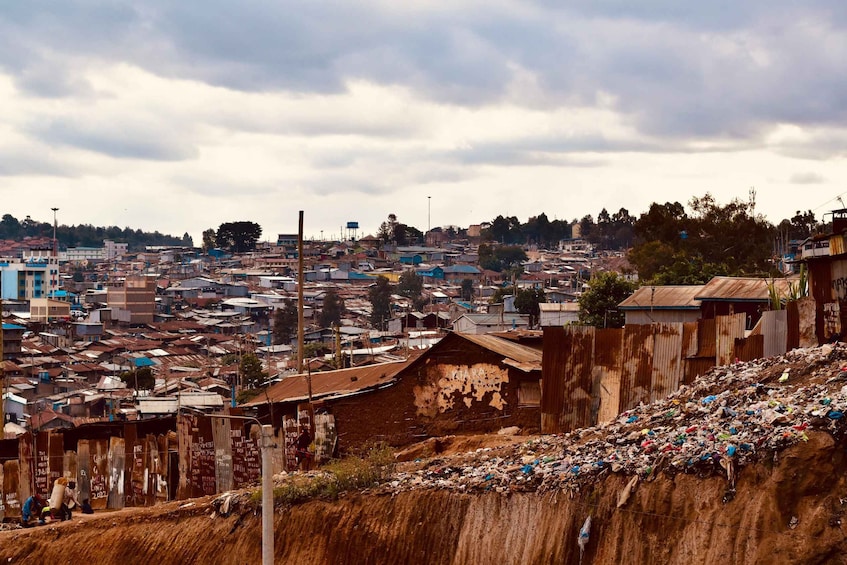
<point x="788" y="511"/>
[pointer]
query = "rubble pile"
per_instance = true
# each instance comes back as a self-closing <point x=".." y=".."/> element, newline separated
<point x="731" y="416"/>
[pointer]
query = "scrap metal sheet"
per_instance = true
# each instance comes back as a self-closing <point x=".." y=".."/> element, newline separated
<point x="222" y="437"/>
<point x="608" y="361"/>
<point x="637" y="367"/>
<point x="117" y="470"/>
<point x="775" y="332"/>
<point x="727" y="330"/>
<point x="667" y="360"/>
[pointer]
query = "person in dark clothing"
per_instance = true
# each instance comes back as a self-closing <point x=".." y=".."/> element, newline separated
<point x="302" y="453"/>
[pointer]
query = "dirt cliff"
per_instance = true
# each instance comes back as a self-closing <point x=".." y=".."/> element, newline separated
<point x="784" y="511"/>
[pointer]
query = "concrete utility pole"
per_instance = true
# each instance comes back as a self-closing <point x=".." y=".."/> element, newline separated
<point x="300" y="280"/>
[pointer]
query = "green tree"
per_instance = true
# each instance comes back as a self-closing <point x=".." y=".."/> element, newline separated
<point x="468" y="290"/>
<point x="380" y="298"/>
<point x="285" y="322"/>
<point x="333" y="309"/>
<point x="598" y="305"/>
<point x="410" y="284"/>
<point x="142" y="375"/>
<point x="238" y="237"/>
<point x="527" y="301"/>
<point x="208" y="240"/>
<point x="253" y="374"/>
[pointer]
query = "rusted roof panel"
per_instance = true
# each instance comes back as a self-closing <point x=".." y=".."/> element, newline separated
<point x="663" y="297"/>
<point x="741" y="289"/>
<point x="343" y="381"/>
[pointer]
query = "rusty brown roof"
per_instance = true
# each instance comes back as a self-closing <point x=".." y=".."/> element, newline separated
<point x="664" y="298"/>
<point x="332" y="383"/>
<point x="527" y="357"/>
<point x="741" y="289"/>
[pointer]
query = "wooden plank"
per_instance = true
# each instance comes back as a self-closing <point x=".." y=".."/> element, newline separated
<point x="184" y="424"/>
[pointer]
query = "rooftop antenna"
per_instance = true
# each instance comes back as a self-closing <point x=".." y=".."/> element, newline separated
<point x="840" y="201"/>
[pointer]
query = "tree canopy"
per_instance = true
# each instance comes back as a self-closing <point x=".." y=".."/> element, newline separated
<point x="527" y="301"/>
<point x="380" y="298"/>
<point x="598" y="305"/>
<point x="285" y="322"/>
<point x="238" y="237"/>
<point x="333" y="309"/>
<point x="674" y="247"/>
<point x="500" y="257"/>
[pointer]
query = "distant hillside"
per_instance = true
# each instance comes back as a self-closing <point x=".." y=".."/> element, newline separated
<point x="86" y="235"/>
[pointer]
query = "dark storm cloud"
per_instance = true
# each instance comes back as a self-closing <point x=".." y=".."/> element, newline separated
<point x="709" y="70"/>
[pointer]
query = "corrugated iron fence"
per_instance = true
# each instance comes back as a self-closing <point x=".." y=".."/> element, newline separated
<point x="591" y="375"/>
<point x="116" y="465"/>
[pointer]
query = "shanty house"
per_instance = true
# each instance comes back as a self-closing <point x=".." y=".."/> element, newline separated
<point x="464" y="383"/>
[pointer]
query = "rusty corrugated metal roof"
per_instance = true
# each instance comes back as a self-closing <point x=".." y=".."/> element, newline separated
<point x="523" y="355"/>
<point x="332" y="383"/>
<point x="741" y="289"/>
<point x="663" y="297"/>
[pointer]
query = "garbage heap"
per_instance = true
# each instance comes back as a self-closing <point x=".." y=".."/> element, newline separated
<point x="726" y="419"/>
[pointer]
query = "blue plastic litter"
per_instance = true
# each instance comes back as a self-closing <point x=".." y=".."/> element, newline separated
<point x="730" y="450"/>
<point x="631" y="419"/>
<point x="835" y="415"/>
<point x="709" y="399"/>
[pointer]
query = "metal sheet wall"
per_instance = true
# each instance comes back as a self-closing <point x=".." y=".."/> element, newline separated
<point x="775" y="332"/>
<point x="578" y="386"/>
<point x="807" y="311"/>
<point x="637" y="366"/>
<point x="553" y="381"/>
<point x="608" y="351"/>
<point x="222" y="436"/>
<point x="10" y="481"/>
<point x="667" y="360"/>
<point x="117" y="470"/>
<point x="749" y="348"/>
<point x="727" y="330"/>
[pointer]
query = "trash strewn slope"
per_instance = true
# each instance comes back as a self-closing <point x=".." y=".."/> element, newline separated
<point x="746" y="466"/>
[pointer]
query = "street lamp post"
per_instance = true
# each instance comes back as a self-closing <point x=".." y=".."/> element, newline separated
<point x="55" y="241"/>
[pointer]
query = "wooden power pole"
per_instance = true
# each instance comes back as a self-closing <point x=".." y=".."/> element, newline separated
<point x="300" y="280"/>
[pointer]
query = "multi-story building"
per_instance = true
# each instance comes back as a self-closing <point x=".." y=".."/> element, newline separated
<point x="28" y="278"/>
<point x="133" y="300"/>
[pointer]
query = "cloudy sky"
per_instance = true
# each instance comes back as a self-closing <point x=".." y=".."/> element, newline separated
<point x="178" y="116"/>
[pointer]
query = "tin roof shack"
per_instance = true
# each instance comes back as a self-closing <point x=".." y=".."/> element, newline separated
<point x="724" y="296"/>
<point x="662" y="304"/>
<point x="826" y="257"/>
<point x="464" y="383"/>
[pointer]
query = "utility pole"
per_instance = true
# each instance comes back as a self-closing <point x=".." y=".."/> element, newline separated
<point x="300" y="281"/>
